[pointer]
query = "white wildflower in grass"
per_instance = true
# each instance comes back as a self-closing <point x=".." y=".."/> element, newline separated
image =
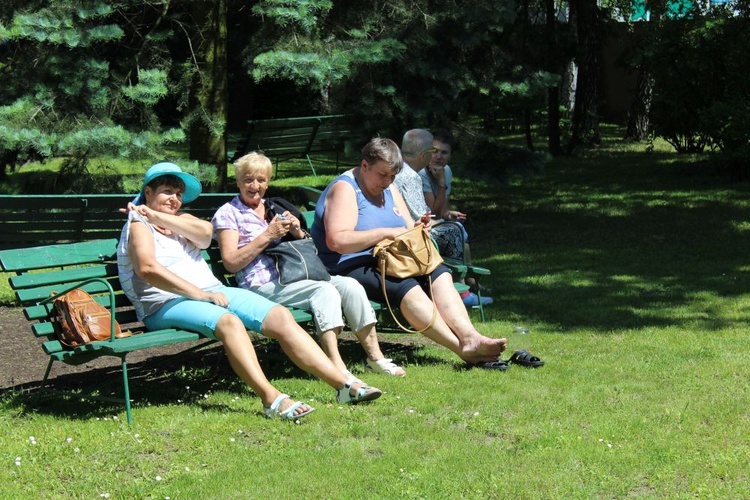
<point x="476" y="413"/>
<point x="411" y="411"/>
<point x="76" y="450"/>
<point x="68" y="440"/>
<point x="609" y="445"/>
<point x="240" y="431"/>
<point x="115" y="418"/>
<point x="104" y="495"/>
<point x="18" y="461"/>
<point x="136" y="435"/>
<point x="231" y="440"/>
<point x="187" y="469"/>
<point x="158" y="478"/>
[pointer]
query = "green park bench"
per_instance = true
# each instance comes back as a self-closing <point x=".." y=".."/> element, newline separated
<point x="92" y="266"/>
<point x="283" y="139"/>
<point x="77" y="248"/>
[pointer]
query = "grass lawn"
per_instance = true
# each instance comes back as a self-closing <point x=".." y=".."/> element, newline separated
<point x="630" y="270"/>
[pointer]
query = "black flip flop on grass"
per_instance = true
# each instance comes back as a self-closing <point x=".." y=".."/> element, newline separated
<point x="525" y="358"/>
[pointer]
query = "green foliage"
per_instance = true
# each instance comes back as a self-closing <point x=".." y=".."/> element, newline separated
<point x="150" y="89"/>
<point x="299" y="13"/>
<point x="700" y="92"/>
<point x="80" y="80"/>
<point x="363" y="55"/>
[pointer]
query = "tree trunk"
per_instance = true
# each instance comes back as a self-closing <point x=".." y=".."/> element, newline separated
<point x="209" y="92"/>
<point x="585" y="123"/>
<point x="527" y="128"/>
<point x="553" y="93"/>
<point x="638" y="115"/>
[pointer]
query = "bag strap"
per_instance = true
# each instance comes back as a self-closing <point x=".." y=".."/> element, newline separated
<point x="381" y="258"/>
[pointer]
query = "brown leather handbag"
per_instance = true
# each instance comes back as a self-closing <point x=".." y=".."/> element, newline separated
<point x="83" y="320"/>
<point x="410" y="254"/>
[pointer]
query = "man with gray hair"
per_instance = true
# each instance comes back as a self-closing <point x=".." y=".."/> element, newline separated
<point x="417" y="150"/>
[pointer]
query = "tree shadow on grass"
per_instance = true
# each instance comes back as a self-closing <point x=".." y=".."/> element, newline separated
<point x="185" y="378"/>
<point x="611" y="251"/>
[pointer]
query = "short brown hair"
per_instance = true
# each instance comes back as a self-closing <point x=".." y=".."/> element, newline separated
<point x="383" y="149"/>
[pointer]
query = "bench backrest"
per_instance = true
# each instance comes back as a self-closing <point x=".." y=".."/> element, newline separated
<point x="310" y="194"/>
<point x="31" y="220"/>
<point x="285" y="138"/>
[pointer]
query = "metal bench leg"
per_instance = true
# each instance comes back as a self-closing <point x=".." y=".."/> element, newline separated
<point x="309" y="162"/>
<point x="481" y="306"/>
<point x="126" y="390"/>
<point x="39" y="391"/>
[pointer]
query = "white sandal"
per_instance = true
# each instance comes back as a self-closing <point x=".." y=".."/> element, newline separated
<point x="353" y="378"/>
<point x="386" y="366"/>
<point x="274" y="410"/>
<point x="364" y="393"/>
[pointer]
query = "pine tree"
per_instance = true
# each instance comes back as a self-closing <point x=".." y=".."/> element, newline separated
<point x="82" y="78"/>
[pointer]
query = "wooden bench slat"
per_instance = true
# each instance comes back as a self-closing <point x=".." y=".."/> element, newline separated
<point x="57" y="255"/>
<point x="31" y="295"/>
<point x="137" y="342"/>
<point x="29" y="280"/>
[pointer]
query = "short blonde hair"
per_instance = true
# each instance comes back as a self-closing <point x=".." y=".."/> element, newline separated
<point x="253" y="163"/>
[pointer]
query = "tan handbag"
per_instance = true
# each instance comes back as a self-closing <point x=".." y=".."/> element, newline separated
<point x="83" y="320"/>
<point x="412" y="253"/>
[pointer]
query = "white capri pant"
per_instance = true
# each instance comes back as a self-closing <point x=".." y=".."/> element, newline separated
<point x="325" y="300"/>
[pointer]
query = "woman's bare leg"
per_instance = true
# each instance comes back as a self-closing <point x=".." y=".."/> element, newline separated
<point x="329" y="342"/>
<point x="452" y="328"/>
<point x="243" y="360"/>
<point x="302" y="349"/>
<point x="475" y="346"/>
<point x="368" y="337"/>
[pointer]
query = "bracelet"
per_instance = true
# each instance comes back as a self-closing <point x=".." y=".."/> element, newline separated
<point x="442" y="186"/>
